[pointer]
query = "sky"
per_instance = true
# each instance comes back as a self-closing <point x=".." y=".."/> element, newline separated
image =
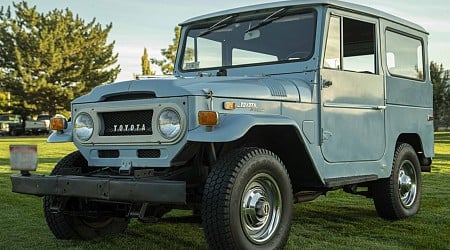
<point x="149" y="23"/>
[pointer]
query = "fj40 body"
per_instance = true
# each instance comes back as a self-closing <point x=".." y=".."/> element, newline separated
<point x="269" y="105"/>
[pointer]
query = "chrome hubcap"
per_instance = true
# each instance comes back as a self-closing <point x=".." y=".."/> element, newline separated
<point x="260" y="208"/>
<point x="407" y="184"/>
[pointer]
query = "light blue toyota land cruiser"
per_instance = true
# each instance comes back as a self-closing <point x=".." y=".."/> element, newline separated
<point x="269" y="105"/>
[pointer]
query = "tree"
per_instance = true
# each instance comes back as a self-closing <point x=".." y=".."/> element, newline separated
<point x="145" y="64"/>
<point x="441" y="95"/>
<point x="170" y="54"/>
<point x="3" y="96"/>
<point x="3" y="102"/>
<point x="48" y="59"/>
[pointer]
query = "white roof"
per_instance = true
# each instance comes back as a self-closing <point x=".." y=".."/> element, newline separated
<point x="335" y="3"/>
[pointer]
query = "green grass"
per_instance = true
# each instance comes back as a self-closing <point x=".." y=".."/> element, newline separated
<point x="337" y="221"/>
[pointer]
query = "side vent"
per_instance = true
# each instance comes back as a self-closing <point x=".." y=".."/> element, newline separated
<point x="276" y="89"/>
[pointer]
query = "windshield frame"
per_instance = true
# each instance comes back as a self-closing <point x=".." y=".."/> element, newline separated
<point x="245" y="17"/>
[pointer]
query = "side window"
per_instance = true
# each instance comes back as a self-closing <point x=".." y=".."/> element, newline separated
<point x="359" y="46"/>
<point x="404" y="55"/>
<point x="332" y="58"/>
<point x="354" y="48"/>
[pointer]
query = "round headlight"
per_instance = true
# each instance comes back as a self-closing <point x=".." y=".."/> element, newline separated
<point x="169" y="123"/>
<point x="84" y="126"/>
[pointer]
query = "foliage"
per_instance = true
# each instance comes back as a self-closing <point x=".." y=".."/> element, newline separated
<point x="145" y="64"/>
<point x="441" y="95"/>
<point x="167" y="64"/>
<point x="3" y="101"/>
<point x="48" y="59"/>
<point x="337" y="221"/>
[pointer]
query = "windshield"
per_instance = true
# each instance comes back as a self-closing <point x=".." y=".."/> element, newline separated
<point x="270" y="37"/>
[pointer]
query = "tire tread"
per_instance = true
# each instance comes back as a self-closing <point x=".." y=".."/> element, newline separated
<point x="384" y="196"/>
<point x="219" y="185"/>
<point x="58" y="222"/>
<point x="67" y="227"/>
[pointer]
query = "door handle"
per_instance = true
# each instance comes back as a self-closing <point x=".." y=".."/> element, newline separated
<point x="326" y="83"/>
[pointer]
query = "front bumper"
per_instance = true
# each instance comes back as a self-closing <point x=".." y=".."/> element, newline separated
<point x="109" y="189"/>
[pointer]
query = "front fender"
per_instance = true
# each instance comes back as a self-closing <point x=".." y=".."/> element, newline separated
<point x="235" y="126"/>
<point x="65" y="136"/>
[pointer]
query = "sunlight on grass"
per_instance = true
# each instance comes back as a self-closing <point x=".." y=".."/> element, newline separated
<point x="441" y="163"/>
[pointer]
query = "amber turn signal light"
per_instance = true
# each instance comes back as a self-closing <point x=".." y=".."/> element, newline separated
<point x="229" y="105"/>
<point x="208" y="118"/>
<point x="57" y="123"/>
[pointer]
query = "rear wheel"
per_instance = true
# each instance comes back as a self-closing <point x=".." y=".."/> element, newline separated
<point x="247" y="202"/>
<point x="399" y="196"/>
<point x="67" y="226"/>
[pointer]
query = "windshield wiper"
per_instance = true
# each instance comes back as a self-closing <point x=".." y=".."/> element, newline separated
<point x="272" y="17"/>
<point x="220" y="24"/>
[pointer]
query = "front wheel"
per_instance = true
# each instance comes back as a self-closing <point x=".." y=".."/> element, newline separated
<point x="247" y="201"/>
<point x="399" y="196"/>
<point x="66" y="226"/>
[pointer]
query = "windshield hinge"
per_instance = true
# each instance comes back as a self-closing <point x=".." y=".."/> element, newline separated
<point x="222" y="72"/>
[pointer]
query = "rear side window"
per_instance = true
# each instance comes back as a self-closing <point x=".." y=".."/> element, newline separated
<point x="404" y="55"/>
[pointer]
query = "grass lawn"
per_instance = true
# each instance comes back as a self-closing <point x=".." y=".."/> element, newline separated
<point x="337" y="221"/>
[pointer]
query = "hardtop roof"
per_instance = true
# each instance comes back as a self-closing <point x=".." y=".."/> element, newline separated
<point x="334" y="3"/>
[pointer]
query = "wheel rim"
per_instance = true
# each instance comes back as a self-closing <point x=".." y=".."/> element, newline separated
<point x="407" y="183"/>
<point x="261" y="207"/>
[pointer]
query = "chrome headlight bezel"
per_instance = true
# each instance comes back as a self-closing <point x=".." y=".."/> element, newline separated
<point x="83" y="126"/>
<point x="170" y="124"/>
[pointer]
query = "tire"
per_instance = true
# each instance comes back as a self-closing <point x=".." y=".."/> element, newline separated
<point x="65" y="226"/>
<point x="254" y="179"/>
<point x="399" y="196"/>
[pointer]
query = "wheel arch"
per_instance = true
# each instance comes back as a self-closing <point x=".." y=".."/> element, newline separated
<point x="415" y="141"/>
<point x="279" y="134"/>
<point x="287" y="142"/>
<point x="412" y="139"/>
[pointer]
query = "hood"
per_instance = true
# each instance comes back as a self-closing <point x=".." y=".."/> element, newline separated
<point x="262" y="88"/>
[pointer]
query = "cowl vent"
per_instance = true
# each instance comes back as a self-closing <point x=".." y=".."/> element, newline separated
<point x="128" y="96"/>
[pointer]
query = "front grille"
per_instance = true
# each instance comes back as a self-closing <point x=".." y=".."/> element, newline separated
<point x="127" y="123"/>
<point x="149" y="153"/>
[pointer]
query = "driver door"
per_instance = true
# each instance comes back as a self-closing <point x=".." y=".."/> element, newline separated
<point x="353" y="103"/>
